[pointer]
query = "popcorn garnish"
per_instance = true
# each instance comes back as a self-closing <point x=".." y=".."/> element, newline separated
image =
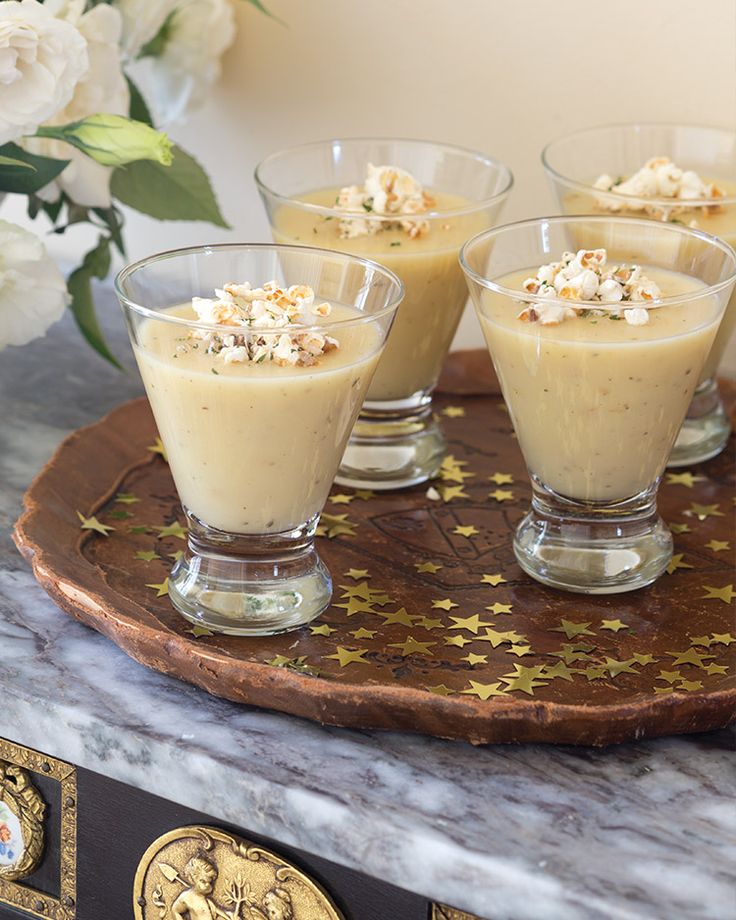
<point x="583" y="279"/>
<point x="387" y="190"/>
<point x="659" y="178"/>
<point x="265" y="312"/>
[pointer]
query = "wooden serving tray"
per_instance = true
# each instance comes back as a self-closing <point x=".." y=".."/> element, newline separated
<point x="444" y="634"/>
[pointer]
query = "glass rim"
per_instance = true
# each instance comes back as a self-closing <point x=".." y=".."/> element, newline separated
<point x="222" y="329"/>
<point x="633" y="199"/>
<point x="523" y="297"/>
<point x="434" y="216"/>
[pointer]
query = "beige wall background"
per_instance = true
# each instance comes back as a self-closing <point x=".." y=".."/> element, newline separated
<point x="502" y="76"/>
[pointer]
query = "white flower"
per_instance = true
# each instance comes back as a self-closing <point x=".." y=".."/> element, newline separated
<point x="142" y="21"/>
<point x="103" y="89"/>
<point x="199" y="32"/>
<point x="42" y="58"/>
<point x="32" y="290"/>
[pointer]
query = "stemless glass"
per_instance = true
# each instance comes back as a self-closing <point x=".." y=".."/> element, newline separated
<point x="597" y="404"/>
<point x="397" y="442"/>
<point x="253" y="448"/>
<point x="573" y="163"/>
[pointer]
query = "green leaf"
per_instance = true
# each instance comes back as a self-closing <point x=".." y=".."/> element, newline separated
<point x="12" y="161"/>
<point x="262" y="9"/>
<point x="181" y="191"/>
<point x="96" y="264"/>
<point x="138" y="108"/>
<point x="113" y="220"/>
<point x="155" y="47"/>
<point x="26" y="181"/>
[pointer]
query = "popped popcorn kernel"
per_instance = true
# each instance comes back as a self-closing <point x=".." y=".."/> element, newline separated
<point x="390" y="191"/>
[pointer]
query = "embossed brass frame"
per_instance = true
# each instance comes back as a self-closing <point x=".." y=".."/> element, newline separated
<point x="20" y="896"/>
<point x="443" y="912"/>
<point x="18" y="794"/>
<point x="216" y="859"/>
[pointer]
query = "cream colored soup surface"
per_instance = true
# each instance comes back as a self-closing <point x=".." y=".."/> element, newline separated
<point x="253" y="448"/>
<point x="596" y="402"/>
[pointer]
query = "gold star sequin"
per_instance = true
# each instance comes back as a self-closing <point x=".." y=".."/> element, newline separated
<point x="664" y="690"/>
<point x="615" y="668"/>
<point x="126" y="498"/>
<point x="335" y="525"/>
<point x="158" y="448"/>
<point x="571" y="630"/>
<point x="363" y="633"/>
<point x="176" y="556"/>
<point x="572" y="653"/>
<point x="429" y="623"/>
<point x="174" y="529"/>
<point x="162" y="589"/>
<point x="280" y="661"/>
<point x="701" y="512"/>
<point x="498" y="638"/>
<point x="691" y="656"/>
<point x="499" y="608"/>
<point x="138" y="528"/>
<point x="679" y="528"/>
<point x="440" y="690"/>
<point x="519" y="650"/>
<point x="450" y="492"/>
<point x="398" y="616"/>
<point x="484" y="691"/>
<point x="690" y="685"/>
<point x="199" y="631"/>
<point x="349" y="656"/>
<point x="429" y="568"/>
<point x="493" y="580"/>
<point x="120" y="515"/>
<point x="357" y="574"/>
<point x="713" y="668"/>
<point x="364" y="494"/>
<point x="524" y="679"/>
<point x="341" y="499"/>
<point x="613" y="625"/>
<point x="722" y="639"/>
<point x="704" y="641"/>
<point x="453" y="412"/>
<point x="725" y="594"/>
<point x="454" y="474"/>
<point x="644" y="659"/>
<point x="560" y="669"/>
<point x="677" y="563"/>
<point x="323" y="629"/>
<point x="356" y="605"/>
<point x="474" y="659"/>
<point x="501" y="479"/>
<point x="473" y="624"/>
<point x="91" y="523"/>
<point x="466" y="531"/>
<point x="410" y="646"/>
<point x="718" y="545"/>
<point x="445" y="604"/>
<point x="683" y="479"/>
<point x="595" y="673"/>
<point x="669" y="676"/>
<point x="460" y="641"/>
<point x="501" y="495"/>
<point x="147" y="555"/>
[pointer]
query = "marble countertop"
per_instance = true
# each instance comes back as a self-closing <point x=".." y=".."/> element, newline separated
<point x="642" y="831"/>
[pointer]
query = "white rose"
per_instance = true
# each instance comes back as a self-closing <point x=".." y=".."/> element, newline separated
<point x="33" y="294"/>
<point x="41" y="60"/>
<point x="200" y="31"/>
<point x="103" y="89"/>
<point x="142" y="21"/>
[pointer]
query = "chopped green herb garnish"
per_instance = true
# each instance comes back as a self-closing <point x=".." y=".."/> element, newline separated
<point x="396" y="243"/>
<point x="368" y="205"/>
<point x="217" y="373"/>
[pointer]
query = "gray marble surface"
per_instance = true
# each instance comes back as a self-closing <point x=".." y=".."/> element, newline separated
<point x="639" y="831"/>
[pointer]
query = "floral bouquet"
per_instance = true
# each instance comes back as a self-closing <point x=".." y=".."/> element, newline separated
<point x="77" y="137"/>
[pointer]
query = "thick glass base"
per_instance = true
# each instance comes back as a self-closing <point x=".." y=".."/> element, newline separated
<point x="706" y="429"/>
<point x="250" y="585"/>
<point x="394" y="445"/>
<point x="593" y="548"/>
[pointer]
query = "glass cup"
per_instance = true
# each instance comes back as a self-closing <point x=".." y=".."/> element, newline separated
<point x="597" y="404"/>
<point x="253" y="447"/>
<point x="573" y="163"/>
<point x="396" y="442"/>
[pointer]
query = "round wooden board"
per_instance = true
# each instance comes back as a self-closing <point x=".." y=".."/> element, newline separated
<point x="418" y="670"/>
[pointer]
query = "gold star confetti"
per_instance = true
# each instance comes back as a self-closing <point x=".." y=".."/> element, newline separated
<point x="357" y="574"/>
<point x="322" y="630"/>
<point x="524" y="679"/>
<point x="560" y="669"/>
<point x="493" y="580"/>
<point x="664" y="689"/>
<point x="725" y="594"/>
<point x="683" y="479"/>
<point x="455" y="474"/>
<point x="126" y="498"/>
<point x="595" y="673"/>
<point x="429" y="568"/>
<point x="679" y="528"/>
<point x="364" y="494"/>
<point x="429" y="623"/>
<point x="363" y="633"/>
<point x="499" y="608"/>
<point x="669" y="676"/>
<point x="335" y="525"/>
<point x="451" y="462"/>
<point x="279" y="661"/>
<point x="293" y="664"/>
<point x="398" y="616"/>
<point x="519" y="650"/>
<point x="440" y="690"/>
<point x="473" y="624"/>
<point x="615" y="668"/>
<point x="644" y="659"/>
<point x="498" y="638"/>
<point x="410" y="646"/>
<point x="677" y="563"/>
<point x="704" y="641"/>
<point x="474" y="659"/>
<point x="445" y="604"/>
<point x="177" y="555"/>
<point x="484" y="691"/>
<point x="450" y="492"/>
<point x="613" y="625"/>
<point x="121" y="515"/>
<point x="147" y="555"/>
<point x="718" y="545"/>
<point x="572" y="653"/>
<point x="174" y="529"/>
<point x="691" y="656"/>
<point x="340" y="499"/>
<point x="363" y="590"/>
<point x="158" y="448"/>
<point x="91" y="523"/>
<point x="702" y="512"/>
<point x="501" y="479"/>
<point x="501" y="495"/>
<point x="690" y="685"/>
<point x="347" y="656"/>
<point x="722" y="639"/>
<point x="571" y="630"/>
<point x="199" y="631"/>
<point x="460" y="641"/>
<point x="162" y="589"/>
<point x="356" y="605"/>
<point x="453" y="411"/>
<point x="138" y="528"/>
<point x="466" y="531"/>
<point x="713" y="668"/>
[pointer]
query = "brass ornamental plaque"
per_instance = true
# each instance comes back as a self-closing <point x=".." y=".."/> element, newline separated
<point x="201" y="873"/>
<point x="442" y="912"/>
